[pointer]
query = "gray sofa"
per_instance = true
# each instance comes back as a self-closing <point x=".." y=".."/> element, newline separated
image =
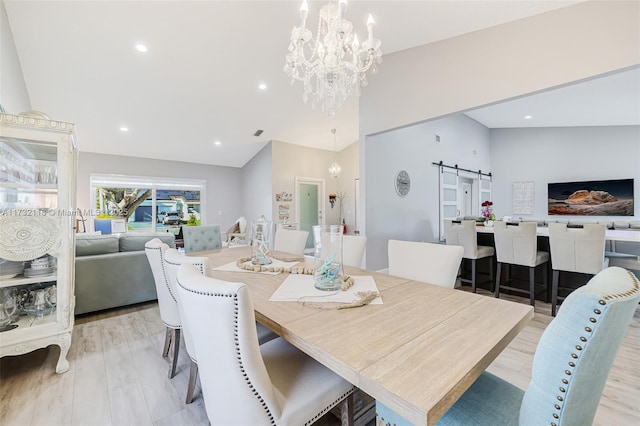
<point x="113" y="270"/>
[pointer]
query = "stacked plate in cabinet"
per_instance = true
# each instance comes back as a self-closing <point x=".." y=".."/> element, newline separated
<point x="9" y="269"/>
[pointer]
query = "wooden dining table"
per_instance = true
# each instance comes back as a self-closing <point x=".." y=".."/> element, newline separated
<point x="417" y="352"/>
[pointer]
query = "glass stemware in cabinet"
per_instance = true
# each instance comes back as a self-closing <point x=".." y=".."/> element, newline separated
<point x="37" y="234"/>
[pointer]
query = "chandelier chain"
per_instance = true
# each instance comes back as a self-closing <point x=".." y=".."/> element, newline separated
<point x="334" y="168"/>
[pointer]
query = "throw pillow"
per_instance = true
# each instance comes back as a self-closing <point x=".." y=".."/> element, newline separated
<point x="235" y="228"/>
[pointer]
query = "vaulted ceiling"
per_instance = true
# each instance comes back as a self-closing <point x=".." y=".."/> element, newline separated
<point x="198" y="82"/>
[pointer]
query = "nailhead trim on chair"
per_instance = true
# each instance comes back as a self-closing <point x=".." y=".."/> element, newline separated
<point x="237" y="346"/>
<point x="328" y="407"/>
<point x="381" y="420"/>
<point x="164" y="275"/>
<point x="241" y="365"/>
<point x="199" y="265"/>
<point x="579" y="347"/>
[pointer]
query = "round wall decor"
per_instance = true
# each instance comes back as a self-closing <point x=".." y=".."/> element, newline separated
<point x="402" y="183"/>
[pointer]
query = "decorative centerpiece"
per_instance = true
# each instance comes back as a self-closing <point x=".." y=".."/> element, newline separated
<point x="487" y="213"/>
<point x="260" y="240"/>
<point x="328" y="273"/>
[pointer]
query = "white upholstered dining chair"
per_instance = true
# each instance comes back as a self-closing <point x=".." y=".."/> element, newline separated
<point x="167" y="303"/>
<point x="290" y="241"/>
<point x="575" y="250"/>
<point x="172" y="261"/>
<point x="427" y="262"/>
<point x="463" y="233"/>
<point x="353" y="249"/>
<point x="244" y="383"/>
<point x="517" y="244"/>
<point x="570" y="366"/>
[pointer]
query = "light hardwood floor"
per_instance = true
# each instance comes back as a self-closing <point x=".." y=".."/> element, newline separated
<point x="118" y="377"/>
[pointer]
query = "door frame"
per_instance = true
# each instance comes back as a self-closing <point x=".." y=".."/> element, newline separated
<point x="320" y="183"/>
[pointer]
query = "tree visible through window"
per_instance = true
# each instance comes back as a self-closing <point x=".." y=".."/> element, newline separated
<point x="149" y="204"/>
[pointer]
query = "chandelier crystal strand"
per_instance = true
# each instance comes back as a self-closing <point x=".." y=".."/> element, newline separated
<point x="334" y="64"/>
<point x="334" y="168"/>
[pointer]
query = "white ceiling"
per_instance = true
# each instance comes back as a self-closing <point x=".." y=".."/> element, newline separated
<point x="198" y="82"/>
<point x="612" y="100"/>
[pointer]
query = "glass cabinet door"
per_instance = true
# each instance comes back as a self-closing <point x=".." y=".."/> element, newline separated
<point x="37" y="206"/>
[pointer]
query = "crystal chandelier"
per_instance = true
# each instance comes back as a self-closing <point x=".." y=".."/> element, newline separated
<point x="336" y="62"/>
<point x="334" y="168"/>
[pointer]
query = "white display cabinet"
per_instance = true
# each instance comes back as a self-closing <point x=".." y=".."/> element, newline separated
<point x="38" y="163"/>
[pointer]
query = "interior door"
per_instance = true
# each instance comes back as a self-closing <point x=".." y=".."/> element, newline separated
<point x="309" y="209"/>
<point x="485" y="190"/>
<point x="449" y="205"/>
<point x="309" y="202"/>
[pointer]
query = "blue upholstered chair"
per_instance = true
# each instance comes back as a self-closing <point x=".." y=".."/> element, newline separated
<point x="570" y="367"/>
<point x="201" y="238"/>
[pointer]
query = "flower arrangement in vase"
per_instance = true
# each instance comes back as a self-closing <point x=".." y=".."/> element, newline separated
<point x="487" y="213"/>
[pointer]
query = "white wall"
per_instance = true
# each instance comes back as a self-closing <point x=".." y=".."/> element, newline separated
<point x="416" y="216"/>
<point x="257" y="186"/>
<point x="223" y="183"/>
<point x="13" y="92"/>
<point x="566" y="154"/>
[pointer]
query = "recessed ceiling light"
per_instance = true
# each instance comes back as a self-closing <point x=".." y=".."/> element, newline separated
<point x="124" y="129"/>
<point x="262" y="86"/>
<point x="217" y="143"/>
<point x="141" y="48"/>
<point x="528" y="117"/>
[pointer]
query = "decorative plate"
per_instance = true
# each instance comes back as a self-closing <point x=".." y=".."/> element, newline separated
<point x="25" y="236"/>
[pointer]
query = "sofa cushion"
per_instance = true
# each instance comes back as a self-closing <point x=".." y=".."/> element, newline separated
<point x="135" y="241"/>
<point x="91" y="244"/>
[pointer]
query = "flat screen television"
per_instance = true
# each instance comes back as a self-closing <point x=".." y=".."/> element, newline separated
<point x="592" y="198"/>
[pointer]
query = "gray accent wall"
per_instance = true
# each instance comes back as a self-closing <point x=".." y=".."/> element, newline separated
<point x="349" y="161"/>
<point x="257" y="188"/>
<point x="416" y="216"/>
<point x="224" y="184"/>
<point x="561" y="154"/>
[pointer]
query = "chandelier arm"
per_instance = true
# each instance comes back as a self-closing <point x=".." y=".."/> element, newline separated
<point x="359" y="69"/>
<point x="311" y="62"/>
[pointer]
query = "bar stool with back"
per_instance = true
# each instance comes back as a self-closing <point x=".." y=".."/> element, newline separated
<point x="517" y="244"/>
<point x="463" y="233"/>
<point x="575" y="250"/>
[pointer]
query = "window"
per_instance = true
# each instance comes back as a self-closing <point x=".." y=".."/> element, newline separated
<point x="148" y="203"/>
